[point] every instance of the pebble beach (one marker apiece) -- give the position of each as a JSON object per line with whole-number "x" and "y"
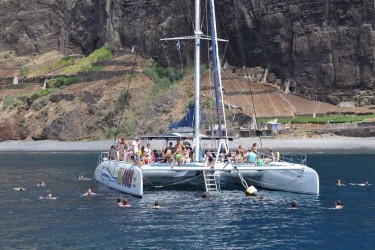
{"x": 325, "y": 144}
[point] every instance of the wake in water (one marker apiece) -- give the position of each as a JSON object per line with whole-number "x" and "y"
{"x": 49, "y": 197}
{"x": 361, "y": 184}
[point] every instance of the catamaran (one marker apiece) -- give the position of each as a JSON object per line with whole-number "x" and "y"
{"x": 130, "y": 177}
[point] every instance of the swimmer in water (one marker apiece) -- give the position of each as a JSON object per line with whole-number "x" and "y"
{"x": 338, "y": 182}
{"x": 205, "y": 195}
{"x": 20, "y": 189}
{"x": 80, "y": 178}
{"x": 338, "y": 205}
{"x": 41, "y": 184}
{"x": 293, "y": 205}
{"x": 156, "y": 205}
{"x": 50, "y": 197}
{"x": 363, "y": 184}
{"x": 123, "y": 203}
{"x": 89, "y": 193}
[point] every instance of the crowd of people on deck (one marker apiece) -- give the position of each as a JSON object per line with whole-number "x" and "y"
{"x": 133, "y": 151}
{"x": 241, "y": 155}
{"x": 182, "y": 152}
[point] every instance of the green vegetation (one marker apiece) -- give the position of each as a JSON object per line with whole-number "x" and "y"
{"x": 321, "y": 120}
{"x": 94, "y": 68}
{"x": 86, "y": 63}
{"x": 123, "y": 100}
{"x": 61, "y": 81}
{"x": 8, "y": 100}
{"x": 126, "y": 128}
{"x": 24, "y": 72}
{"x": 163, "y": 78}
{"x": 21, "y": 121}
{"x": 66, "y": 60}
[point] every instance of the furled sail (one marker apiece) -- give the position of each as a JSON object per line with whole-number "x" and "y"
{"x": 186, "y": 121}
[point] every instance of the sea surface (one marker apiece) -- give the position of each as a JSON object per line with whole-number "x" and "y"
{"x": 186, "y": 221}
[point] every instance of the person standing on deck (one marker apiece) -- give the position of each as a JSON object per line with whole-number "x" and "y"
{"x": 136, "y": 145}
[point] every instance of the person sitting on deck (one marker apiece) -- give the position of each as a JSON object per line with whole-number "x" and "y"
{"x": 146, "y": 157}
{"x": 239, "y": 158}
{"x": 187, "y": 158}
{"x": 251, "y": 156}
{"x": 166, "y": 155}
{"x": 254, "y": 147}
{"x": 188, "y": 144}
{"x": 240, "y": 150}
{"x": 210, "y": 158}
{"x": 271, "y": 157}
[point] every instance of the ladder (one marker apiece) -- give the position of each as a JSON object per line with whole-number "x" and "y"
{"x": 211, "y": 181}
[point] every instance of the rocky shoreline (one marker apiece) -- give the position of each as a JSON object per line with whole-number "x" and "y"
{"x": 327, "y": 144}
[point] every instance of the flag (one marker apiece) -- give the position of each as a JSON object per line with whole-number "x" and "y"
{"x": 178, "y": 47}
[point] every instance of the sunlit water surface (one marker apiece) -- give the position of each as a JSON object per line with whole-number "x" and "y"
{"x": 186, "y": 221}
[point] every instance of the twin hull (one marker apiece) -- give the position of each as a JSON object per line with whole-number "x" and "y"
{"x": 128, "y": 178}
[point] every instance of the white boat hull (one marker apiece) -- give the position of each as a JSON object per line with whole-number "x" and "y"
{"x": 304, "y": 180}
{"x": 120, "y": 176}
{"x": 283, "y": 176}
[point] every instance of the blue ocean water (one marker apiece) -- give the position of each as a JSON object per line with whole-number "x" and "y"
{"x": 226, "y": 221}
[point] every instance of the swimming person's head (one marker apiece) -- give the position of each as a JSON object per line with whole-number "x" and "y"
{"x": 293, "y": 204}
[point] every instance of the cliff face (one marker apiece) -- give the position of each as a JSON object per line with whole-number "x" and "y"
{"x": 324, "y": 47}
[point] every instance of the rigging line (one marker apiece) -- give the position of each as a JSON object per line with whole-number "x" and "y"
{"x": 190, "y": 16}
{"x": 126, "y": 95}
{"x": 166, "y": 56}
{"x": 252, "y": 100}
{"x": 225, "y": 30}
{"x": 173, "y": 183}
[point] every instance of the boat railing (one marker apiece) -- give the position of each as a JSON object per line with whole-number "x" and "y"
{"x": 102, "y": 157}
{"x": 293, "y": 158}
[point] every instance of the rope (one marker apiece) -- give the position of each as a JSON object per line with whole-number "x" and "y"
{"x": 127, "y": 96}
{"x": 170, "y": 183}
{"x": 243, "y": 182}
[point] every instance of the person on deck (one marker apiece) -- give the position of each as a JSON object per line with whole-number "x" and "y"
{"x": 187, "y": 158}
{"x": 112, "y": 153}
{"x": 188, "y": 143}
{"x": 271, "y": 157}
{"x": 135, "y": 147}
{"x": 167, "y": 153}
{"x": 146, "y": 157}
{"x": 251, "y": 156}
{"x": 179, "y": 152}
{"x": 120, "y": 149}
{"x": 210, "y": 157}
{"x": 240, "y": 150}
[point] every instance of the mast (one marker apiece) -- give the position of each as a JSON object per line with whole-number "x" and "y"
{"x": 217, "y": 76}
{"x": 198, "y": 34}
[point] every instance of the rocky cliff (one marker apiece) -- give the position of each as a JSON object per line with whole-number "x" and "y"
{"x": 326, "y": 48}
